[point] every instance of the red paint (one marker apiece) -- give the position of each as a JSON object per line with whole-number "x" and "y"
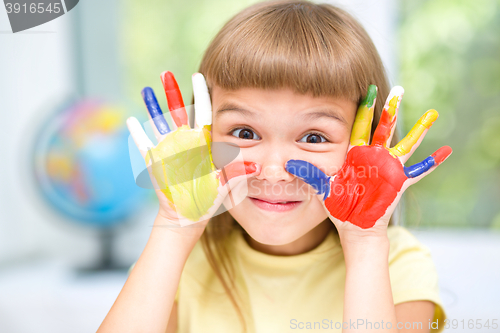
{"x": 383, "y": 129}
{"x": 234, "y": 170}
{"x": 366, "y": 186}
{"x": 174, "y": 99}
{"x": 441, "y": 154}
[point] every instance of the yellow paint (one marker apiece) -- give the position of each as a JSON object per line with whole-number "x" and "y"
{"x": 192, "y": 198}
{"x": 361, "y": 129}
{"x": 393, "y": 104}
{"x": 362, "y": 126}
{"x": 424, "y": 123}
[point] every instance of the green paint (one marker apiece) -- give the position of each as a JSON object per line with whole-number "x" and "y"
{"x": 192, "y": 198}
{"x": 370, "y": 96}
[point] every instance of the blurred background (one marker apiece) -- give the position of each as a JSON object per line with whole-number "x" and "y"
{"x": 72, "y": 219}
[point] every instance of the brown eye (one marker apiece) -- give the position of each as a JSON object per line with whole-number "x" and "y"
{"x": 313, "y": 138}
{"x": 245, "y": 134}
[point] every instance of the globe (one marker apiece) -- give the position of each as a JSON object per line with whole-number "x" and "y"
{"x": 82, "y": 165}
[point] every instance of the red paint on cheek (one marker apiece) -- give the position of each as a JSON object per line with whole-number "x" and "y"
{"x": 237, "y": 169}
{"x": 366, "y": 186}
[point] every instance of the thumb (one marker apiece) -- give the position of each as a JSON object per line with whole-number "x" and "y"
{"x": 233, "y": 187}
{"x": 236, "y": 172}
{"x": 140, "y": 137}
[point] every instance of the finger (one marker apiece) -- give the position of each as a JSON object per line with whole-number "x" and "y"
{"x": 426, "y": 165}
{"x": 174, "y": 99}
{"x": 151, "y": 122}
{"x": 202, "y": 103}
{"x": 310, "y": 174}
{"x": 385, "y": 129}
{"x": 234, "y": 190}
{"x": 141, "y": 140}
{"x": 405, "y": 148}
{"x": 154, "y": 111}
{"x": 361, "y": 129}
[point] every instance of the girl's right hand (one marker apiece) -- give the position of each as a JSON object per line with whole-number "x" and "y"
{"x": 190, "y": 185}
{"x": 361, "y": 197}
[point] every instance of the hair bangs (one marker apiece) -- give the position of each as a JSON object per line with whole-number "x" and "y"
{"x": 300, "y": 46}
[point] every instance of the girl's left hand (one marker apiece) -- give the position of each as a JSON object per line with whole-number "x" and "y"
{"x": 362, "y": 196}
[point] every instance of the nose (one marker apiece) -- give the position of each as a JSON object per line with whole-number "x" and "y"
{"x": 273, "y": 166}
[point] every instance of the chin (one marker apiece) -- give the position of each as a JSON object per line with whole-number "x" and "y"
{"x": 272, "y": 232}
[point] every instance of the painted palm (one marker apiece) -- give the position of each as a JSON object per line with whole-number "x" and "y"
{"x": 192, "y": 176}
{"x": 373, "y": 177}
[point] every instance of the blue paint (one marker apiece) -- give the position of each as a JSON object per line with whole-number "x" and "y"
{"x": 417, "y": 169}
{"x": 310, "y": 174}
{"x": 154, "y": 110}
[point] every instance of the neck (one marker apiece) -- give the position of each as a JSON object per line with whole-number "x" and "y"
{"x": 304, "y": 244}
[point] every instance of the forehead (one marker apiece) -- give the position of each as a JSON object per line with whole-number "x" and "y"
{"x": 280, "y": 103}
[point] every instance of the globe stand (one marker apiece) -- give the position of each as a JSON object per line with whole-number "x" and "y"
{"x": 106, "y": 261}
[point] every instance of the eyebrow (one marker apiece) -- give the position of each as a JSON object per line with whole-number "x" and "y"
{"x": 325, "y": 113}
{"x": 317, "y": 114}
{"x": 231, "y": 107}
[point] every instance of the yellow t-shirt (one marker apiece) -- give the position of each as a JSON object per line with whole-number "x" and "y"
{"x": 285, "y": 293}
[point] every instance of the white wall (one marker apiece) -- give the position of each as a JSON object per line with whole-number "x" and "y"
{"x": 35, "y": 76}
{"x": 379, "y": 18}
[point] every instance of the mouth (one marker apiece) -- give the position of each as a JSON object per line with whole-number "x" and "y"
{"x": 275, "y": 205}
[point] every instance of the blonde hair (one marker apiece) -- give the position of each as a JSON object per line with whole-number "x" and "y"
{"x": 311, "y": 48}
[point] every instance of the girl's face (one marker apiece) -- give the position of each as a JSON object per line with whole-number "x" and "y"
{"x": 272, "y": 127}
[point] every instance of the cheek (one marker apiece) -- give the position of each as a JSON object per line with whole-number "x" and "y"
{"x": 317, "y": 212}
{"x": 331, "y": 162}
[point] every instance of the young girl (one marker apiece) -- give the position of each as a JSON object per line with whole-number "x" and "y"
{"x": 309, "y": 245}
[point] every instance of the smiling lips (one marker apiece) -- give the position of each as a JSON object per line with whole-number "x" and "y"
{"x": 275, "y": 205}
